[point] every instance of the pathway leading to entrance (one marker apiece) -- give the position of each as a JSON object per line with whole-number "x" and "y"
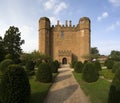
{"x": 65, "y": 89}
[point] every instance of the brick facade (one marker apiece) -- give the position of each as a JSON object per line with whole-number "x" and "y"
{"x": 65, "y": 43}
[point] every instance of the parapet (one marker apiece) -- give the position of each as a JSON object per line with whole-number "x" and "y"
{"x": 84, "y": 18}
{"x": 44, "y": 18}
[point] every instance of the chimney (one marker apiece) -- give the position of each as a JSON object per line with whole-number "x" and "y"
{"x": 66, "y": 23}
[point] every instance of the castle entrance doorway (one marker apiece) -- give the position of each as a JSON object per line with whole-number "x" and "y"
{"x": 64, "y": 61}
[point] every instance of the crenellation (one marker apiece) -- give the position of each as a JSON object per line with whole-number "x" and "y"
{"x": 66, "y": 42}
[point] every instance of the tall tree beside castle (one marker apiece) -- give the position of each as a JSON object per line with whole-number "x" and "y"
{"x": 12, "y": 43}
{"x": 2, "y": 49}
{"x": 65, "y": 43}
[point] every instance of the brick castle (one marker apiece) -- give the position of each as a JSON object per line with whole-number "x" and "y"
{"x": 65, "y": 43}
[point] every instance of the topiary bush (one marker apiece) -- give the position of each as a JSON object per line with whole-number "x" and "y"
{"x": 57, "y": 63}
{"x": 15, "y": 87}
{"x": 78, "y": 67}
{"x": 54, "y": 67}
{"x": 115, "y": 67}
{"x": 90, "y": 74}
{"x": 38, "y": 62}
{"x": 97, "y": 65}
{"x": 30, "y": 65}
{"x": 109, "y": 64}
{"x": 73, "y": 64}
{"x": 114, "y": 93}
{"x": 4, "y": 64}
{"x": 44, "y": 73}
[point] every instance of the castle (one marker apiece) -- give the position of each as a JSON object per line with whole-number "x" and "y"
{"x": 65, "y": 43}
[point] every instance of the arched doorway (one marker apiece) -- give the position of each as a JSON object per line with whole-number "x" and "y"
{"x": 64, "y": 61}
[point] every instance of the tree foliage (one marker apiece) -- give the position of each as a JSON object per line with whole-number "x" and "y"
{"x": 44, "y": 73}
{"x": 78, "y": 67}
{"x": 115, "y": 55}
{"x": 4, "y": 65}
{"x": 2, "y": 49}
{"x": 15, "y": 87}
{"x": 90, "y": 74}
{"x": 114, "y": 93}
{"x": 13, "y": 42}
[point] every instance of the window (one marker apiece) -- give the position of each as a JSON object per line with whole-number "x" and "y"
{"x": 62, "y": 34}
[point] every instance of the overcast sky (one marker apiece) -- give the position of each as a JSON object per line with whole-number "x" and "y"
{"x": 24, "y": 14}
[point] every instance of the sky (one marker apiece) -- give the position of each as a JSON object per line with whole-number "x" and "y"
{"x": 25, "y": 14}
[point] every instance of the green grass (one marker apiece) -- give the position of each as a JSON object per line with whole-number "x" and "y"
{"x": 107, "y": 73}
{"x": 39, "y": 90}
{"x": 97, "y": 91}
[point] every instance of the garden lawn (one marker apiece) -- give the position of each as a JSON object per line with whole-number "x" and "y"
{"x": 107, "y": 74}
{"x": 39, "y": 90}
{"x": 96, "y": 91}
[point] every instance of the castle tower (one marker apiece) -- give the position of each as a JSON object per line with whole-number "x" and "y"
{"x": 84, "y": 31}
{"x": 44, "y": 35}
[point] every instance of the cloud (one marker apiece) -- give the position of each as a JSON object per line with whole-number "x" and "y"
{"x": 60, "y": 7}
{"x": 55, "y": 5}
{"x": 113, "y": 26}
{"x": 115, "y": 2}
{"x": 49, "y": 4}
{"x": 103, "y": 16}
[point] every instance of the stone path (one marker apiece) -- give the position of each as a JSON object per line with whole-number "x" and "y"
{"x": 65, "y": 89}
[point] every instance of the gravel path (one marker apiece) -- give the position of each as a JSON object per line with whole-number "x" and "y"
{"x": 65, "y": 89}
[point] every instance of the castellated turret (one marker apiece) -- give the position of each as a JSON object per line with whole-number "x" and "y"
{"x": 65, "y": 43}
{"x": 44, "y": 35}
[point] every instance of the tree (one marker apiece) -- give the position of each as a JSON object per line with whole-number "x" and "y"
{"x": 2, "y": 49}
{"x": 15, "y": 86}
{"x": 89, "y": 73}
{"x": 114, "y": 92}
{"x": 94, "y": 53}
{"x": 115, "y": 55}
{"x": 13, "y": 42}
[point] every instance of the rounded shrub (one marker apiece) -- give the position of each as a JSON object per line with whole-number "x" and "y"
{"x": 109, "y": 64}
{"x": 15, "y": 87}
{"x": 57, "y": 63}
{"x": 97, "y": 65}
{"x": 4, "y": 64}
{"x": 115, "y": 67}
{"x": 114, "y": 92}
{"x": 54, "y": 67}
{"x": 73, "y": 64}
{"x": 78, "y": 67}
{"x": 38, "y": 62}
{"x": 44, "y": 73}
{"x": 30, "y": 65}
{"x": 90, "y": 74}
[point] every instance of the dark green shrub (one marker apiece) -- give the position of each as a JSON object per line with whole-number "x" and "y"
{"x": 114, "y": 93}
{"x": 57, "y": 63}
{"x": 73, "y": 64}
{"x": 54, "y": 67}
{"x": 109, "y": 64}
{"x": 78, "y": 67}
{"x": 4, "y": 64}
{"x": 90, "y": 74}
{"x": 30, "y": 65}
{"x": 85, "y": 62}
{"x": 115, "y": 67}
{"x": 44, "y": 73}
{"x": 15, "y": 87}
{"x": 97, "y": 65}
{"x": 38, "y": 62}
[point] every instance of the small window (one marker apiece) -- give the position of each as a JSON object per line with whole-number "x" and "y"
{"x": 62, "y": 34}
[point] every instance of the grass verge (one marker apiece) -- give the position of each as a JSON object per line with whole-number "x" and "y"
{"x": 39, "y": 90}
{"x": 96, "y": 91}
{"x": 107, "y": 74}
